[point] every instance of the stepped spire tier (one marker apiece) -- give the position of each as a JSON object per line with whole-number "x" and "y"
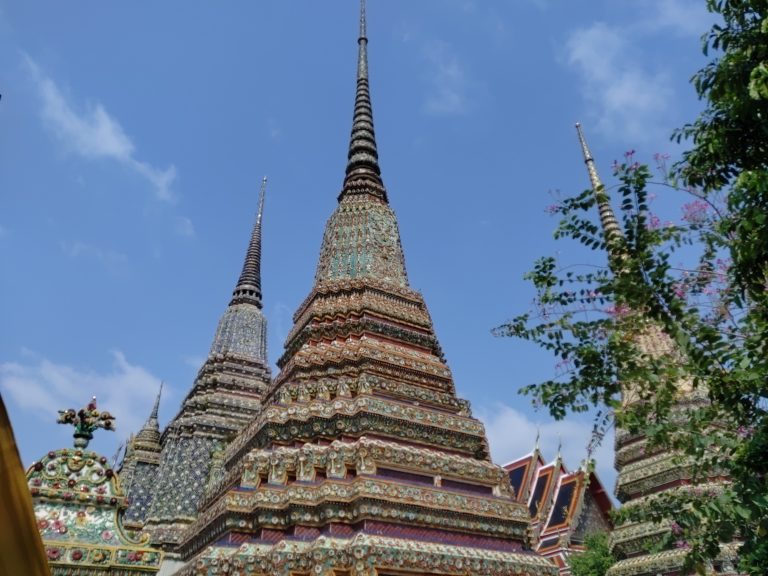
{"x": 248, "y": 289}
{"x": 363, "y": 174}
{"x": 363, "y": 460}
{"x": 225, "y": 396}
{"x": 644, "y": 472}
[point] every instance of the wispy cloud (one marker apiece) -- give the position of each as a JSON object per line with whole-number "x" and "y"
{"x": 41, "y": 387}
{"x": 274, "y": 129}
{"x": 183, "y": 227}
{"x": 684, "y": 17}
{"x": 512, "y": 434}
{"x": 114, "y": 261}
{"x": 626, "y": 99}
{"x": 94, "y": 133}
{"x": 447, "y": 92}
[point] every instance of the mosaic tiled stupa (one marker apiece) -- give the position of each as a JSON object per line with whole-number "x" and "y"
{"x": 363, "y": 460}
{"x": 79, "y": 508}
{"x": 644, "y": 472}
{"x": 165, "y": 489}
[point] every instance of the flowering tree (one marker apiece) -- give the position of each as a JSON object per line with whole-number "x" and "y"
{"x": 702, "y": 391}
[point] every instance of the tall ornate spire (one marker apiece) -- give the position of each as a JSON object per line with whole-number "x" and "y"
{"x": 248, "y": 289}
{"x": 611, "y": 229}
{"x": 225, "y": 396}
{"x": 363, "y": 157}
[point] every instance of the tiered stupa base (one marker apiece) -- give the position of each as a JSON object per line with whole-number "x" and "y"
{"x": 363, "y": 555}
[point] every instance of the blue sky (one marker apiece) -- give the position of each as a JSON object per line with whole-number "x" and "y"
{"x": 133, "y": 138}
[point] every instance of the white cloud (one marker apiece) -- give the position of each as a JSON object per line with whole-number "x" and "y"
{"x": 447, "y": 80}
{"x": 94, "y": 134}
{"x": 184, "y": 227}
{"x": 512, "y": 434}
{"x": 41, "y": 387}
{"x": 625, "y": 98}
{"x": 114, "y": 261}
{"x": 685, "y": 17}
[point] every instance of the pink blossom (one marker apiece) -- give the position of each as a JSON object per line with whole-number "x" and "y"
{"x": 695, "y": 212}
{"x": 654, "y": 223}
{"x": 617, "y": 311}
{"x": 676, "y": 528}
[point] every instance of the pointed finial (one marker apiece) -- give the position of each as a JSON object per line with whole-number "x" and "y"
{"x": 248, "y": 289}
{"x": 262, "y": 190}
{"x": 116, "y": 456}
{"x": 559, "y": 446}
{"x": 156, "y": 407}
{"x": 363, "y": 157}
{"x": 611, "y": 229}
{"x": 538, "y": 437}
{"x": 363, "y": 31}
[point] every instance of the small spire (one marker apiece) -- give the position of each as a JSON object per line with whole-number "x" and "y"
{"x": 118, "y": 452}
{"x": 248, "y": 289}
{"x": 559, "y": 447}
{"x": 538, "y": 437}
{"x": 611, "y": 229}
{"x": 150, "y": 432}
{"x": 363, "y": 157}
{"x": 156, "y": 407}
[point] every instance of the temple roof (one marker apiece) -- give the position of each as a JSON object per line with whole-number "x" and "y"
{"x": 557, "y": 499}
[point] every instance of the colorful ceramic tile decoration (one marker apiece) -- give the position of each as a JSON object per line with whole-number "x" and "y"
{"x": 79, "y": 508}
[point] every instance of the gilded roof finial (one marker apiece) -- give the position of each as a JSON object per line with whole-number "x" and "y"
{"x": 611, "y": 229}
{"x": 86, "y": 421}
{"x": 248, "y": 289}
